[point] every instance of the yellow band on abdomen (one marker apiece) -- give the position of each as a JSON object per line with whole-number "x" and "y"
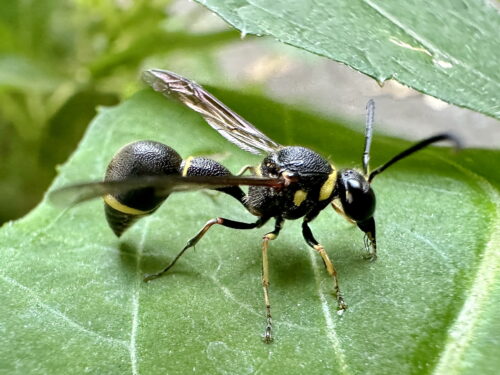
{"x": 113, "y": 203}
{"x": 187, "y": 164}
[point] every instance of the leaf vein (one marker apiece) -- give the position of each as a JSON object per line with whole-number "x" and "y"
{"x": 330, "y": 325}
{"x": 461, "y": 332}
{"x": 36, "y": 300}
{"x": 134, "y": 360}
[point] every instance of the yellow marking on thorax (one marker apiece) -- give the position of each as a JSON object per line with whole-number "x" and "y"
{"x": 299, "y": 197}
{"x": 187, "y": 164}
{"x": 113, "y": 203}
{"x": 327, "y": 187}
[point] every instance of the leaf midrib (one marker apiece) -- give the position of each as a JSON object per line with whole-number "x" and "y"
{"x": 462, "y": 330}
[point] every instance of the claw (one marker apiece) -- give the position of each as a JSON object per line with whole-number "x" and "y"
{"x": 267, "y": 338}
{"x": 371, "y": 257}
{"x": 342, "y": 306}
{"x": 150, "y": 276}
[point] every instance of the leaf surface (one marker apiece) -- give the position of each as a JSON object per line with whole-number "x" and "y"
{"x": 74, "y": 300}
{"x": 448, "y": 49}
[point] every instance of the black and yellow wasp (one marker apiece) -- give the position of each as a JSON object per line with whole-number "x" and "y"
{"x": 292, "y": 182}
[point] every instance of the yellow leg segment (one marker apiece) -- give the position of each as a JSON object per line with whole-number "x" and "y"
{"x": 252, "y": 168}
{"x": 338, "y": 209}
{"x": 265, "y": 285}
{"x": 268, "y": 337}
{"x": 193, "y": 241}
{"x": 333, "y": 273}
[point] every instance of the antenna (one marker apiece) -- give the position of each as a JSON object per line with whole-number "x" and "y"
{"x": 416, "y": 147}
{"x": 370, "y": 115}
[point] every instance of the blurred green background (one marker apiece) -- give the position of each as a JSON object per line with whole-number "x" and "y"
{"x": 60, "y": 60}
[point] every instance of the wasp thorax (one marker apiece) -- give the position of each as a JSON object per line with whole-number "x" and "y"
{"x": 297, "y": 162}
{"x": 309, "y": 182}
{"x": 302, "y": 161}
{"x": 356, "y": 195}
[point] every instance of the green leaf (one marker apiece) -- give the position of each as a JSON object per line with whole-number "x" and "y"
{"x": 154, "y": 42}
{"x": 73, "y": 299}
{"x": 448, "y": 49}
{"x": 23, "y": 74}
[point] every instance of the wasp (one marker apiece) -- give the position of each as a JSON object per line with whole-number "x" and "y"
{"x": 291, "y": 182}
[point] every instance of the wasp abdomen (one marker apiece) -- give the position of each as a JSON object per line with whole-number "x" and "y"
{"x": 200, "y": 166}
{"x": 119, "y": 221}
{"x": 141, "y": 158}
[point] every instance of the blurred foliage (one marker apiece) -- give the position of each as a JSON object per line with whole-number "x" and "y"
{"x": 59, "y": 60}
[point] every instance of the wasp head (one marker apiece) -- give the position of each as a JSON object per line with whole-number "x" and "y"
{"x": 356, "y": 195}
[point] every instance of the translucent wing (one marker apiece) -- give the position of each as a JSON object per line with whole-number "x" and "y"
{"x": 162, "y": 185}
{"x": 228, "y": 123}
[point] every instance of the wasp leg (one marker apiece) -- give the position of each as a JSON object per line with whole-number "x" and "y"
{"x": 193, "y": 241}
{"x": 268, "y": 338}
{"x": 368, "y": 226}
{"x": 311, "y": 241}
{"x": 338, "y": 209}
{"x": 252, "y": 168}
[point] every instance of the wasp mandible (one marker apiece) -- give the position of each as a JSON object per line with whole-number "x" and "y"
{"x": 291, "y": 182}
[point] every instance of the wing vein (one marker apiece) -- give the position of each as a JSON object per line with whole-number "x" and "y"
{"x": 226, "y": 122}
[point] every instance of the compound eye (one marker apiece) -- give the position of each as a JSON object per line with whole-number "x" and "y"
{"x": 357, "y": 197}
{"x": 359, "y": 205}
